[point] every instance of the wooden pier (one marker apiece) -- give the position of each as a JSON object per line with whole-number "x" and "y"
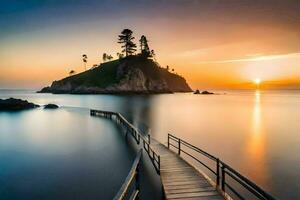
{"x": 181, "y": 180}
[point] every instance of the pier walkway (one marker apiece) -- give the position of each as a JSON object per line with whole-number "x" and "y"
{"x": 180, "y": 179}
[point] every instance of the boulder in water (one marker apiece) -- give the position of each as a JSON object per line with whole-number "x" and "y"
{"x": 206, "y": 92}
{"x": 197, "y": 92}
{"x": 203, "y": 92}
{"x": 51, "y": 106}
{"x": 13, "y": 104}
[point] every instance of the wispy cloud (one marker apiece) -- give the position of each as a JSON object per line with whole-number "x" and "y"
{"x": 252, "y": 59}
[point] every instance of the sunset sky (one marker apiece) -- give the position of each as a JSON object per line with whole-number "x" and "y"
{"x": 212, "y": 43}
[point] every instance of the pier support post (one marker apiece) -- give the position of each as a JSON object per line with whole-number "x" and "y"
{"x": 179, "y": 146}
{"x": 223, "y": 178}
{"x": 149, "y": 138}
{"x": 158, "y": 164}
{"x": 218, "y": 172}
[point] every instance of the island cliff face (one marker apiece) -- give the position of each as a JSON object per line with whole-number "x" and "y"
{"x": 133, "y": 74}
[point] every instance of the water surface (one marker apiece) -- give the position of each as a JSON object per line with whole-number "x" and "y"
{"x": 256, "y": 132}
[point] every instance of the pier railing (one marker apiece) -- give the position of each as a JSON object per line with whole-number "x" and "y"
{"x": 132, "y": 178}
{"x": 221, "y": 171}
{"x": 134, "y": 132}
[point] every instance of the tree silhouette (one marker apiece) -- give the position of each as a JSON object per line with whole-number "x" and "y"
{"x": 145, "y": 51}
{"x": 109, "y": 57}
{"x": 104, "y": 57}
{"x": 152, "y": 54}
{"x": 84, "y": 59}
{"x": 126, "y": 38}
{"x": 72, "y": 72}
{"x": 168, "y": 67}
{"x": 120, "y": 55}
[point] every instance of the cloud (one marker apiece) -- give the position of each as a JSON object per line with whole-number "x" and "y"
{"x": 252, "y": 59}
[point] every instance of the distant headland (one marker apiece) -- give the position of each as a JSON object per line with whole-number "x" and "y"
{"x": 129, "y": 73}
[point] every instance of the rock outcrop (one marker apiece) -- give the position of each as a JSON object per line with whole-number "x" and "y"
{"x": 51, "y": 106}
{"x": 12, "y": 104}
{"x": 134, "y": 74}
{"x": 203, "y": 92}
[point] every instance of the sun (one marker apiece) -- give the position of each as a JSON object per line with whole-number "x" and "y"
{"x": 257, "y": 81}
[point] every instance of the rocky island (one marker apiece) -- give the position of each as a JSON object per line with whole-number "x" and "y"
{"x": 138, "y": 73}
{"x": 133, "y": 74}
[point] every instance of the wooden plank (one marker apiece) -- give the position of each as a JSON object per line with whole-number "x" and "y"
{"x": 198, "y": 189}
{"x": 193, "y": 194}
{"x": 215, "y": 197}
{"x": 185, "y": 182}
{"x": 182, "y": 181}
{"x": 185, "y": 186}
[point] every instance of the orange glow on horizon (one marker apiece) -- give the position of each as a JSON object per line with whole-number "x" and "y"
{"x": 207, "y": 63}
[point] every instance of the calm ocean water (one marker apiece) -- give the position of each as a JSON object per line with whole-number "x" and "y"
{"x": 66, "y": 154}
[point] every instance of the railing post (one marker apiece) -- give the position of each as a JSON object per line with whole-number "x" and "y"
{"x": 153, "y": 155}
{"x": 179, "y": 146}
{"x": 218, "y": 172}
{"x": 139, "y": 139}
{"x": 223, "y": 178}
{"x": 159, "y": 164}
{"x": 126, "y": 133}
{"x": 168, "y": 141}
{"x": 149, "y": 139}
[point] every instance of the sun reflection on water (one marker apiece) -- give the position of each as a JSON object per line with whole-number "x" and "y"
{"x": 256, "y": 150}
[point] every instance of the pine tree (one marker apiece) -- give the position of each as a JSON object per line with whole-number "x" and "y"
{"x": 84, "y": 59}
{"x": 145, "y": 50}
{"x": 126, "y": 38}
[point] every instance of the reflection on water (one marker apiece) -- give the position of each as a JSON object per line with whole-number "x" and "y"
{"x": 255, "y": 132}
{"x": 60, "y": 154}
{"x": 256, "y": 148}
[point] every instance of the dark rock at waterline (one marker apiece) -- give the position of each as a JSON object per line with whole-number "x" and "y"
{"x": 207, "y": 92}
{"x": 45, "y": 90}
{"x": 203, "y": 92}
{"x": 13, "y": 104}
{"x": 197, "y": 92}
{"x": 51, "y": 106}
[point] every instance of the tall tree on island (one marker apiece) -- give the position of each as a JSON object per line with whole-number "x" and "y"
{"x": 84, "y": 59}
{"x": 145, "y": 50}
{"x": 126, "y": 38}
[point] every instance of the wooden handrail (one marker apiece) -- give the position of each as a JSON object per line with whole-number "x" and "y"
{"x": 132, "y": 175}
{"x": 225, "y": 169}
{"x": 135, "y": 133}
